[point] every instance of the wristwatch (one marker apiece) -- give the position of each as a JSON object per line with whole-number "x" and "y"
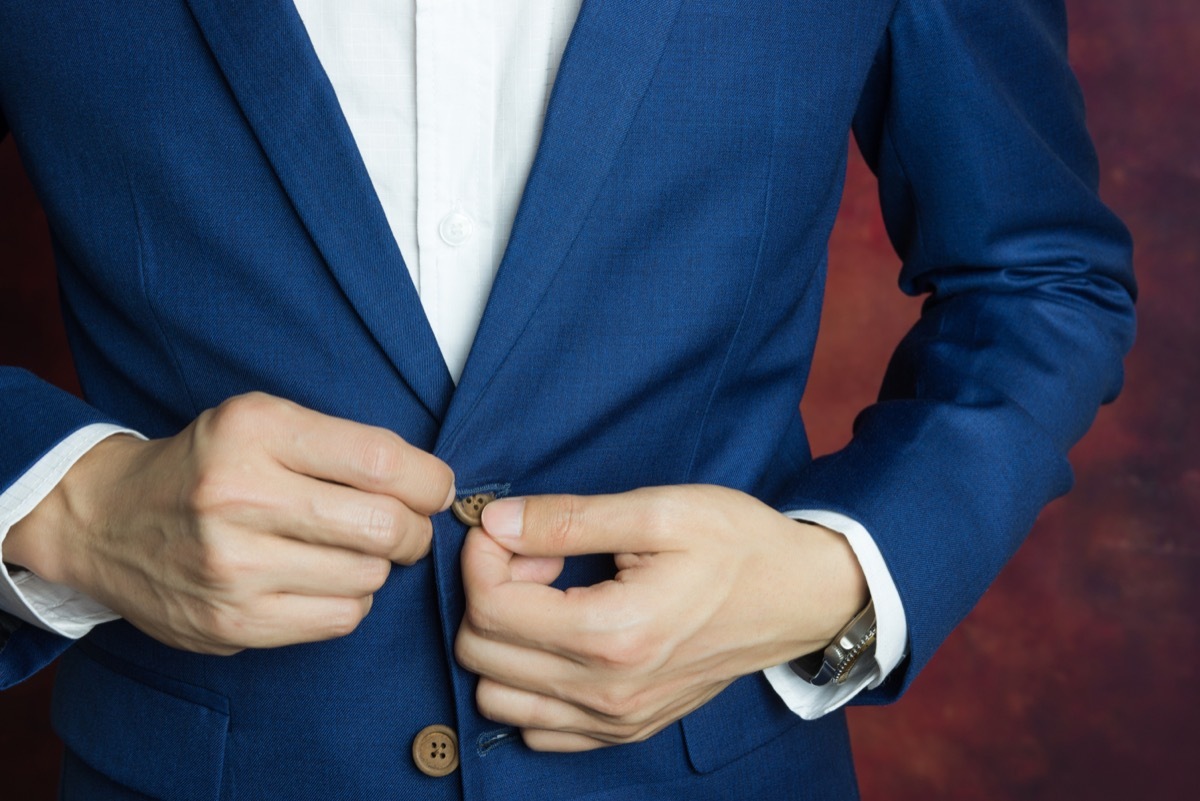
{"x": 850, "y": 651}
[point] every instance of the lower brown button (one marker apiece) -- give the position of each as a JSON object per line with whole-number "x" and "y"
{"x": 435, "y": 750}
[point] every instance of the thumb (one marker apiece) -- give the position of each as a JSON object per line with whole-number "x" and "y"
{"x": 573, "y": 525}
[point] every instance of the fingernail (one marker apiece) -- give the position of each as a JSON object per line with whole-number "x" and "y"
{"x": 503, "y": 519}
{"x": 449, "y": 498}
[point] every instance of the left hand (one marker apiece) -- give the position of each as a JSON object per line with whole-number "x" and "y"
{"x": 711, "y": 585}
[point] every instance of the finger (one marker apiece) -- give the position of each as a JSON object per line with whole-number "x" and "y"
{"x": 579, "y": 623}
{"x": 538, "y": 713}
{"x": 366, "y": 457}
{"x": 281, "y": 619}
{"x": 320, "y": 513}
{"x": 618, "y": 701}
{"x": 560, "y": 742}
{"x": 281, "y": 565}
{"x": 526, "y": 710}
{"x": 301, "y": 618}
{"x": 509, "y": 566}
{"x": 538, "y": 569}
{"x": 485, "y": 563}
{"x": 648, "y": 520}
{"x": 578, "y": 729}
{"x": 527, "y": 666}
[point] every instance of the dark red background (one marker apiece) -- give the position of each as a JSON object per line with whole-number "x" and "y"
{"x": 1074, "y": 677}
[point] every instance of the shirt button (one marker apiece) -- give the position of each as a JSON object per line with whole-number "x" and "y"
{"x": 435, "y": 750}
{"x": 469, "y": 510}
{"x": 456, "y": 228}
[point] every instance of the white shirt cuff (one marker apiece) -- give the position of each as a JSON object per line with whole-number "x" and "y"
{"x": 23, "y": 595}
{"x": 891, "y": 637}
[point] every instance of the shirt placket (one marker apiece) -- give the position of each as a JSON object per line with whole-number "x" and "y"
{"x": 455, "y": 164}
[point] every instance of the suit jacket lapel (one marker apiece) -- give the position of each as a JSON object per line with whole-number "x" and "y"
{"x": 606, "y": 68}
{"x": 265, "y": 54}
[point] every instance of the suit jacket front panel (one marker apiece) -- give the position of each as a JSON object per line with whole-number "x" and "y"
{"x": 191, "y": 275}
{"x": 651, "y": 323}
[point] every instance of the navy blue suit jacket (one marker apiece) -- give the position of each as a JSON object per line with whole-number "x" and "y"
{"x": 651, "y": 323}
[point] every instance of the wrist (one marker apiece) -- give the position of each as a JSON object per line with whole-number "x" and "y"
{"x": 817, "y": 586}
{"x": 842, "y": 593}
{"x": 844, "y": 626}
{"x": 51, "y": 540}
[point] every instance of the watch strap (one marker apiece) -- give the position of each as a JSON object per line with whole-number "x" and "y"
{"x": 850, "y": 650}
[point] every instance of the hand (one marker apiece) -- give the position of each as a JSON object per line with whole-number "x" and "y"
{"x": 711, "y": 585}
{"x": 260, "y": 524}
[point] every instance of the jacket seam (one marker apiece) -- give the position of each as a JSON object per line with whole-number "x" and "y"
{"x": 758, "y": 259}
{"x": 143, "y": 283}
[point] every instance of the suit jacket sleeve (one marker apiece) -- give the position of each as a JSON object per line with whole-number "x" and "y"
{"x": 37, "y": 416}
{"x": 974, "y": 125}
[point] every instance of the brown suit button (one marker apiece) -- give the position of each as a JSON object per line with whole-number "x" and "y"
{"x": 469, "y": 510}
{"x": 435, "y": 750}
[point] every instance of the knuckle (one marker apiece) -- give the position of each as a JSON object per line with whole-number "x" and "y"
{"x": 415, "y": 541}
{"x": 622, "y": 731}
{"x": 374, "y": 572}
{"x": 488, "y": 702}
{"x": 562, "y": 522}
{"x": 614, "y": 701}
{"x": 465, "y": 651}
{"x": 384, "y": 461}
{"x": 379, "y": 456}
{"x": 443, "y": 481}
{"x": 481, "y": 617}
{"x": 344, "y": 617}
{"x": 624, "y": 650}
{"x": 382, "y": 529}
{"x": 217, "y": 568}
{"x": 447, "y": 475}
{"x": 210, "y": 492}
{"x": 243, "y": 412}
{"x": 462, "y": 650}
{"x": 638, "y": 733}
{"x": 533, "y": 740}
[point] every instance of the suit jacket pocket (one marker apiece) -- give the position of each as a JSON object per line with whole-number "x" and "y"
{"x": 750, "y": 717}
{"x": 154, "y": 735}
{"x": 747, "y": 715}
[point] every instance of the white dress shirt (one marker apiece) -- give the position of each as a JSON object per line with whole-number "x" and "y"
{"x": 445, "y": 101}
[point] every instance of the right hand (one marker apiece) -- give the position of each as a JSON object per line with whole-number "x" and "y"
{"x": 261, "y": 524}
